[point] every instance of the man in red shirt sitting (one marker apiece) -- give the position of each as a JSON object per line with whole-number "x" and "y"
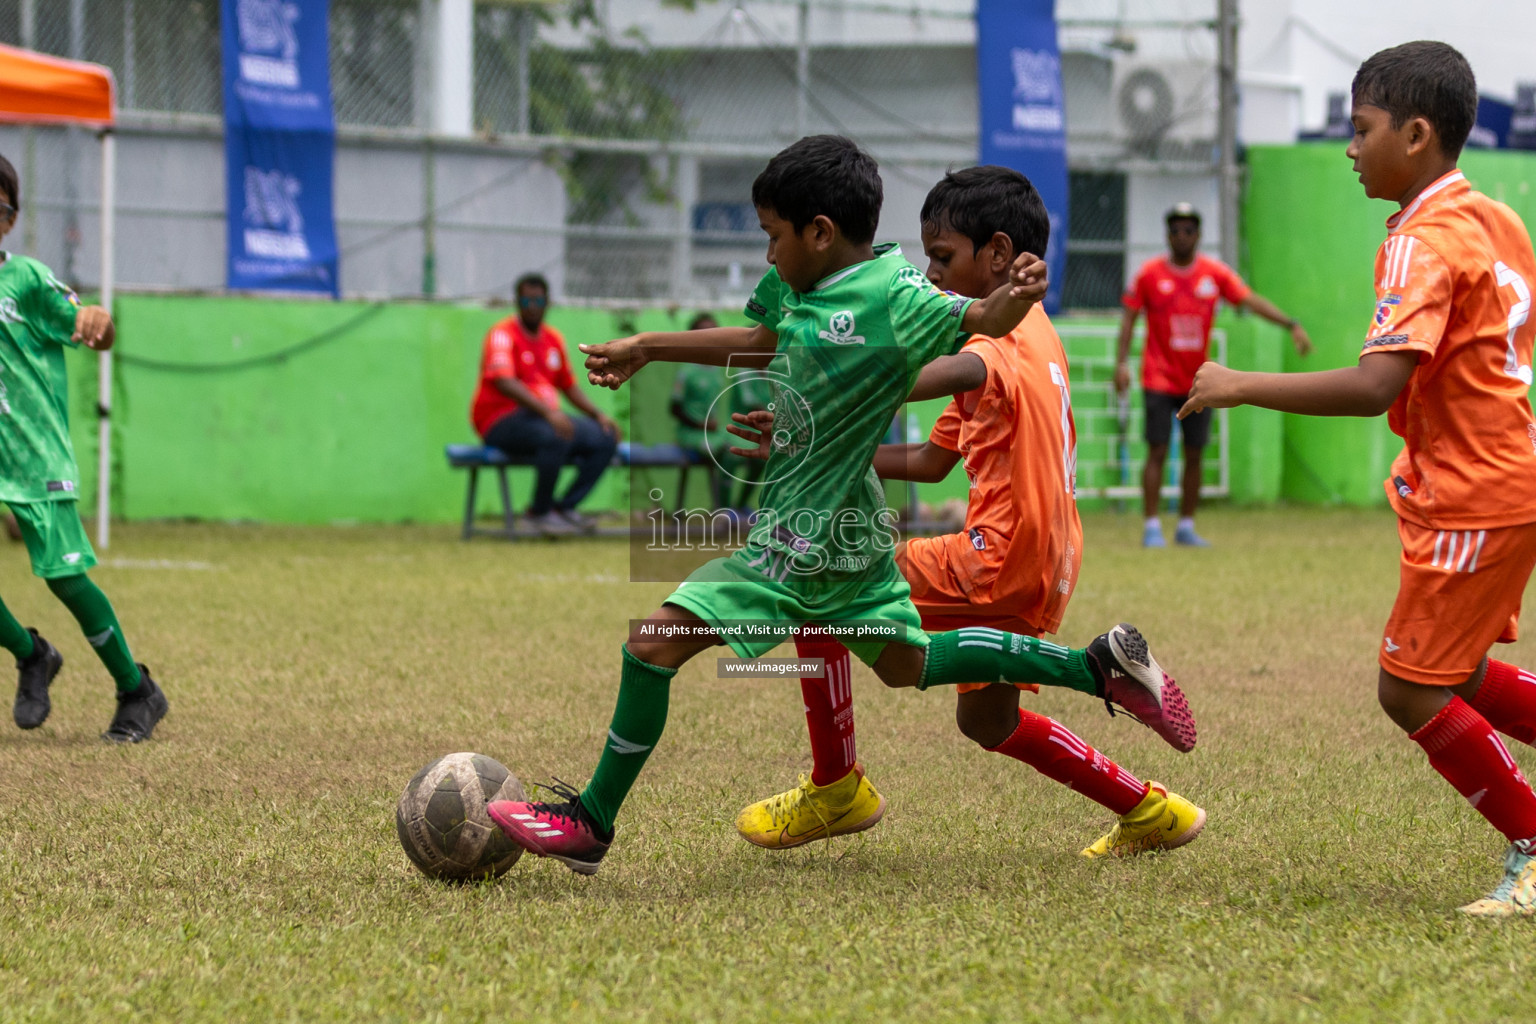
{"x": 523, "y": 373}
{"x": 1179, "y": 293}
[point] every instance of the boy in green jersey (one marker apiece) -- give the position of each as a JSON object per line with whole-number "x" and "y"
{"x": 843, "y": 329}
{"x": 39, "y": 481}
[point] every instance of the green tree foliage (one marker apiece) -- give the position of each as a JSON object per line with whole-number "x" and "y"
{"x": 611, "y": 87}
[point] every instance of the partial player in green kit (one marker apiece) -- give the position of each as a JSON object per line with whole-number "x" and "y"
{"x": 843, "y": 328}
{"x": 703, "y": 399}
{"x": 39, "y": 316}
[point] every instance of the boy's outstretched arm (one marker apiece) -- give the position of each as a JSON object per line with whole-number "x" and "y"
{"x": 94, "y": 328}
{"x": 1000, "y": 312}
{"x": 1366, "y": 389}
{"x": 612, "y": 363}
{"x": 949, "y": 375}
{"x": 925, "y": 463}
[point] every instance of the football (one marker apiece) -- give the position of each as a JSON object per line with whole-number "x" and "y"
{"x": 442, "y": 822}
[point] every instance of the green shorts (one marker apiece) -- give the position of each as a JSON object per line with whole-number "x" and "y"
{"x": 55, "y": 537}
{"x": 754, "y": 615}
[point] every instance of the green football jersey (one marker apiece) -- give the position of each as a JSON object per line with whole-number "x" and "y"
{"x": 848, "y": 353}
{"x": 37, "y": 318}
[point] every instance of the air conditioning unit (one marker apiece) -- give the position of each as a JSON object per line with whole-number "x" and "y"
{"x": 1163, "y": 107}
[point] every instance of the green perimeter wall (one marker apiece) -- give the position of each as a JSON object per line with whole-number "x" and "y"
{"x": 352, "y": 429}
{"x": 1310, "y": 238}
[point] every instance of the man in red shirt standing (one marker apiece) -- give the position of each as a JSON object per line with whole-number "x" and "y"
{"x": 523, "y": 373}
{"x": 1179, "y": 293}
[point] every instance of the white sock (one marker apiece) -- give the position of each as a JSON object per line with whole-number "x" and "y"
{"x": 1187, "y": 523}
{"x": 1154, "y": 523}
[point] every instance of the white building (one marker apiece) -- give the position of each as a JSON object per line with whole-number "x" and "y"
{"x": 451, "y": 180}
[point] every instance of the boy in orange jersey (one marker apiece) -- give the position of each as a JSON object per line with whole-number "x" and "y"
{"x": 1012, "y": 569}
{"x": 1448, "y": 357}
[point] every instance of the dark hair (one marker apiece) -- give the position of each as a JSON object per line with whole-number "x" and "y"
{"x": 1423, "y": 79}
{"x": 699, "y": 318}
{"x": 10, "y": 183}
{"x": 530, "y": 281}
{"x": 823, "y": 175}
{"x": 978, "y": 202}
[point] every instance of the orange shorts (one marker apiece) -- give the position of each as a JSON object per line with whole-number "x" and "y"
{"x": 939, "y": 589}
{"x": 1458, "y": 594}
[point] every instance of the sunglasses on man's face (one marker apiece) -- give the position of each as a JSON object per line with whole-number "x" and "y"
{"x": 532, "y": 301}
{"x": 7, "y": 211}
{"x": 1183, "y": 229}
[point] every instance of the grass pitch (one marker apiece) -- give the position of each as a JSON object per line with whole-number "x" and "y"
{"x": 244, "y": 866}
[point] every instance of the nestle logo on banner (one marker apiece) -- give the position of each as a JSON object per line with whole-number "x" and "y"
{"x": 269, "y": 46}
{"x": 276, "y": 227}
{"x": 1036, "y": 90}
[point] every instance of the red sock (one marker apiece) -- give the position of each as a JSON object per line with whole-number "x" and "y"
{"x": 1052, "y": 750}
{"x": 1462, "y": 746}
{"x": 1507, "y": 699}
{"x": 828, "y": 708}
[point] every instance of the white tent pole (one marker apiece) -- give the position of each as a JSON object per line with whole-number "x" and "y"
{"x": 104, "y": 359}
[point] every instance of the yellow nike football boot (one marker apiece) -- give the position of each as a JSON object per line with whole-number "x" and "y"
{"x": 1516, "y": 895}
{"x": 810, "y": 812}
{"x": 1162, "y": 821}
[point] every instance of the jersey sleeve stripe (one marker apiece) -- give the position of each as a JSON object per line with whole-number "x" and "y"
{"x": 1399, "y": 278}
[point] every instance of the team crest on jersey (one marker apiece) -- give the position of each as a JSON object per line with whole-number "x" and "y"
{"x": 1206, "y": 289}
{"x": 1165, "y": 286}
{"x": 9, "y": 313}
{"x": 1385, "y": 309}
{"x": 552, "y": 360}
{"x": 840, "y": 329}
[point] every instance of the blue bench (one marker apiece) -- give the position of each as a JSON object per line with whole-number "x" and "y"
{"x": 475, "y": 457}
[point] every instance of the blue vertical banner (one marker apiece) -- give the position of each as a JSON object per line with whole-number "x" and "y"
{"x": 279, "y": 146}
{"x": 1023, "y": 120}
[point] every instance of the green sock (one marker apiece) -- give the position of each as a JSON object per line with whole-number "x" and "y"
{"x": 13, "y": 635}
{"x": 98, "y": 622}
{"x": 981, "y": 655}
{"x": 638, "y": 719}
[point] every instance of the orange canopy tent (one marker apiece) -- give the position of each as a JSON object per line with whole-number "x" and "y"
{"x": 38, "y": 89}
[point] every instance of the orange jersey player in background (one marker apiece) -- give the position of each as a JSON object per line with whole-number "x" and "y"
{"x": 1448, "y": 357}
{"x": 1013, "y": 567}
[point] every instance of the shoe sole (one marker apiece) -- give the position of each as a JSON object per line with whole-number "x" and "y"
{"x": 1494, "y": 909}
{"x": 58, "y": 664}
{"x": 514, "y": 831}
{"x": 818, "y": 834}
{"x": 1154, "y": 698}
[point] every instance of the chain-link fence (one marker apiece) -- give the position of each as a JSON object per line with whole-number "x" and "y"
{"x": 655, "y": 115}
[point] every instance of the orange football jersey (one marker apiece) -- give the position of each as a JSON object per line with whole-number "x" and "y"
{"x": 1023, "y": 539}
{"x": 1453, "y": 284}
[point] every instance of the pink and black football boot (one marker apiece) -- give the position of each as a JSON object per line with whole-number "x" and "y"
{"x": 562, "y": 830}
{"x": 1130, "y": 677}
